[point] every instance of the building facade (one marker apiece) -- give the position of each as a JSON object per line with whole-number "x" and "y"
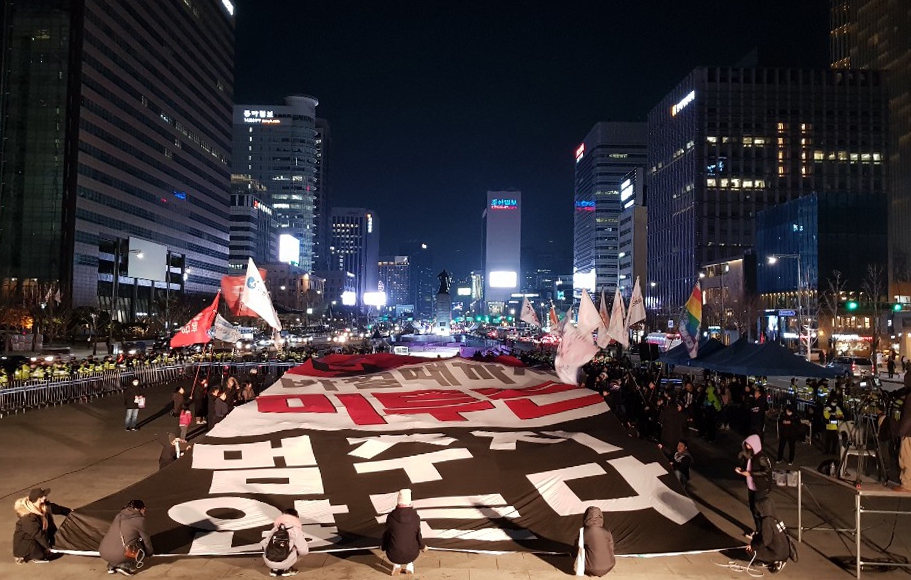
{"x": 727, "y": 143}
{"x": 876, "y": 34}
{"x": 253, "y": 225}
{"x": 501, "y": 245}
{"x": 323, "y": 195}
{"x": 632, "y": 240}
{"x": 115, "y": 124}
{"x": 424, "y": 282}
{"x": 605, "y": 156}
{"x": 276, "y": 145}
{"x": 395, "y": 274}
{"x": 355, "y": 247}
{"x": 292, "y": 289}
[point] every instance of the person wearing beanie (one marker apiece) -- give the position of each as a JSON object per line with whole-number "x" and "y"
{"x": 402, "y": 541}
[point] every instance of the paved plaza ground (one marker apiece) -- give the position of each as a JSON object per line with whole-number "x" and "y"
{"x": 82, "y": 453}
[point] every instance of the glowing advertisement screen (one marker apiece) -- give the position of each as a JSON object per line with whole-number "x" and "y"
{"x": 289, "y": 249}
{"x": 503, "y": 279}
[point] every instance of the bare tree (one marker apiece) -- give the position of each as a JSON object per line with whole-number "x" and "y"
{"x": 874, "y": 286}
{"x": 831, "y": 298}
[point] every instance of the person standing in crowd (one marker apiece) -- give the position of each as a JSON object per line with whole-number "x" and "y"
{"x": 184, "y": 420}
{"x": 200, "y": 398}
{"x": 127, "y": 529}
{"x": 833, "y": 415}
{"x": 131, "y": 400}
{"x": 598, "y": 543}
{"x": 31, "y": 542}
{"x": 292, "y": 549}
{"x": 682, "y": 462}
{"x": 211, "y": 397}
{"x": 890, "y": 365}
{"x": 246, "y": 392}
{"x": 673, "y": 425}
{"x": 757, "y": 409}
{"x": 770, "y": 545}
{"x": 789, "y": 429}
{"x": 758, "y": 474}
{"x": 904, "y": 432}
{"x": 222, "y": 408}
{"x": 178, "y": 399}
{"x": 402, "y": 541}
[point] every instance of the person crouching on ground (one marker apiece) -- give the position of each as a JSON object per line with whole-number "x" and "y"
{"x": 293, "y": 548}
{"x": 771, "y": 544}
{"x": 402, "y": 541}
{"x": 30, "y": 539}
{"x": 598, "y": 542}
{"x": 758, "y": 474}
{"x": 127, "y": 529}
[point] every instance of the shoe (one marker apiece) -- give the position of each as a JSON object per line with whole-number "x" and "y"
{"x": 19, "y": 560}
{"x": 776, "y": 567}
{"x": 289, "y": 572}
{"x": 409, "y": 568}
{"x": 41, "y": 561}
{"x": 790, "y": 463}
{"x": 112, "y": 571}
{"x": 124, "y": 571}
{"x": 274, "y": 573}
{"x": 396, "y": 568}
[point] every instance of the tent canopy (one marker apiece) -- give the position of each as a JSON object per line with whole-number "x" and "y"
{"x": 746, "y": 358}
{"x": 680, "y": 356}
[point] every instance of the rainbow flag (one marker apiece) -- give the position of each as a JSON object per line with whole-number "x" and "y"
{"x": 691, "y": 321}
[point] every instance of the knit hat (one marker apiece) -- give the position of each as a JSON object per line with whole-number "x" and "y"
{"x": 36, "y": 493}
{"x": 404, "y": 498}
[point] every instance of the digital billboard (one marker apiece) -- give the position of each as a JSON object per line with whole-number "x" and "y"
{"x": 503, "y": 279}
{"x": 289, "y": 249}
{"x": 147, "y": 260}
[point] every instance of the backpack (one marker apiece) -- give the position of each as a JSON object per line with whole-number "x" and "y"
{"x": 279, "y": 547}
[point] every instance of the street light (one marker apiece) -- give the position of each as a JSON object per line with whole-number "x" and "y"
{"x": 772, "y": 260}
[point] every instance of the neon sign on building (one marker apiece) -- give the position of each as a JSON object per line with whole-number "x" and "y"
{"x": 683, "y": 103}
{"x": 504, "y": 203}
{"x": 585, "y": 205}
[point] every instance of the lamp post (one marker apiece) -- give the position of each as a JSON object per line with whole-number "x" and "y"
{"x": 773, "y": 259}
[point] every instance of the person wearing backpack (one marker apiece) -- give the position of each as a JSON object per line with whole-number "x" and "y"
{"x": 284, "y": 544}
{"x": 771, "y": 545}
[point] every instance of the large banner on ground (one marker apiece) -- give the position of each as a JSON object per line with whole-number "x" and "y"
{"x": 499, "y": 457}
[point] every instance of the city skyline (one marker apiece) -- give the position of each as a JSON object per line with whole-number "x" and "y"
{"x": 450, "y": 103}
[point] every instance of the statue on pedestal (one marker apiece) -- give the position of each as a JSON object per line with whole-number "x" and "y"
{"x": 445, "y": 282}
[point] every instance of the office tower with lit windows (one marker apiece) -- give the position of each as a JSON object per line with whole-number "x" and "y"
{"x": 395, "y": 274}
{"x": 727, "y": 143}
{"x": 116, "y": 149}
{"x": 322, "y": 195}
{"x": 424, "y": 283}
{"x": 876, "y": 35}
{"x": 277, "y": 145}
{"x": 631, "y": 258}
{"x": 605, "y": 156}
{"x": 355, "y": 247}
{"x": 501, "y": 244}
{"x": 253, "y": 229}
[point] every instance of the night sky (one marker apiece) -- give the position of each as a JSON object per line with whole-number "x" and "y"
{"x": 433, "y": 103}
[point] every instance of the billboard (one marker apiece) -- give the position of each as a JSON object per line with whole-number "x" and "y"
{"x": 289, "y": 249}
{"x": 375, "y": 298}
{"x": 147, "y": 260}
{"x": 503, "y": 279}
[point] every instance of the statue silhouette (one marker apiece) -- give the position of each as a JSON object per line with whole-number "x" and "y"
{"x": 445, "y": 282}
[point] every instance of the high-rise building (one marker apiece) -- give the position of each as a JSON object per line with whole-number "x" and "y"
{"x": 501, "y": 244}
{"x": 253, "y": 226}
{"x": 116, "y": 126}
{"x": 605, "y": 156}
{"x": 322, "y": 197}
{"x": 876, "y": 34}
{"x": 395, "y": 274}
{"x": 631, "y": 258}
{"x": 276, "y": 144}
{"x": 424, "y": 284}
{"x": 727, "y": 143}
{"x": 355, "y": 247}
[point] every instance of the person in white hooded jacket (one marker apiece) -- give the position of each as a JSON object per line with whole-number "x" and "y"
{"x": 758, "y": 473}
{"x": 298, "y": 544}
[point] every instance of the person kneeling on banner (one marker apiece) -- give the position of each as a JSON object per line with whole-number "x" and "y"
{"x": 127, "y": 544}
{"x": 771, "y": 546}
{"x": 402, "y": 541}
{"x": 595, "y": 552}
{"x": 284, "y": 544}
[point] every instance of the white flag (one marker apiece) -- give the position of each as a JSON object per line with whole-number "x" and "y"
{"x": 589, "y": 319}
{"x": 528, "y": 313}
{"x": 603, "y": 338}
{"x": 575, "y": 350}
{"x": 256, "y": 298}
{"x": 617, "y": 328}
{"x": 224, "y": 330}
{"x": 636, "y": 312}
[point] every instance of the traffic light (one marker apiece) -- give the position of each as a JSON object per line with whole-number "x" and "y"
{"x": 897, "y": 307}
{"x": 851, "y": 305}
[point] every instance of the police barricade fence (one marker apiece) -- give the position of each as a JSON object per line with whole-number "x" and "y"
{"x": 33, "y": 394}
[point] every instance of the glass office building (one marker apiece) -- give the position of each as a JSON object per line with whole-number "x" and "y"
{"x": 727, "y": 143}
{"x": 116, "y": 124}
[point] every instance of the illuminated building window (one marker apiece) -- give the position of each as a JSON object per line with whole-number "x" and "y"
{"x": 711, "y": 139}
{"x": 724, "y": 182}
{"x": 711, "y": 182}
{"x": 759, "y": 141}
{"x": 877, "y": 157}
{"x": 747, "y": 183}
{"x": 760, "y": 183}
{"x": 818, "y": 155}
{"x": 865, "y": 157}
{"x": 842, "y": 156}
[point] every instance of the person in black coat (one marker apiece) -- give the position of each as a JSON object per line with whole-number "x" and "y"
{"x": 402, "y": 541}
{"x": 131, "y": 399}
{"x": 771, "y": 544}
{"x": 757, "y": 406}
{"x": 30, "y": 538}
{"x": 789, "y": 430}
{"x": 221, "y": 408}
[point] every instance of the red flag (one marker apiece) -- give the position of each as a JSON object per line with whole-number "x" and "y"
{"x": 552, "y": 316}
{"x": 231, "y": 288}
{"x": 197, "y": 330}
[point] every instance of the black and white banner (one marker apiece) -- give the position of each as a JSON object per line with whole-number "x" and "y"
{"x": 498, "y": 457}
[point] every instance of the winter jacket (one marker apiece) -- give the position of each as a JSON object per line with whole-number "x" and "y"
{"x": 402, "y": 539}
{"x": 130, "y": 524}
{"x": 599, "y": 543}
{"x": 222, "y": 408}
{"x": 30, "y": 539}
{"x": 771, "y": 544}
{"x": 178, "y": 399}
{"x": 298, "y": 542}
{"x": 758, "y": 408}
{"x": 682, "y": 463}
{"x": 129, "y": 396}
{"x": 904, "y": 423}
{"x": 789, "y": 426}
{"x": 673, "y": 423}
{"x": 759, "y": 466}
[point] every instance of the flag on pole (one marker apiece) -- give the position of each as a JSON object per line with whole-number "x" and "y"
{"x": 224, "y": 330}
{"x": 552, "y": 316}
{"x": 231, "y": 289}
{"x": 603, "y": 338}
{"x": 197, "y": 330}
{"x": 617, "y": 328}
{"x": 636, "y": 312}
{"x": 565, "y": 321}
{"x": 575, "y": 350}
{"x": 528, "y": 313}
{"x": 691, "y": 321}
{"x": 256, "y": 298}
{"x": 589, "y": 319}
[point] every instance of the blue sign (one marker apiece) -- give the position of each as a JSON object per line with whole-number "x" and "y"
{"x": 786, "y": 313}
{"x": 180, "y": 194}
{"x": 502, "y": 203}
{"x": 583, "y": 205}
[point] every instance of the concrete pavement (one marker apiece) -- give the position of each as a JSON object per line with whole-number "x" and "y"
{"x": 82, "y": 453}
